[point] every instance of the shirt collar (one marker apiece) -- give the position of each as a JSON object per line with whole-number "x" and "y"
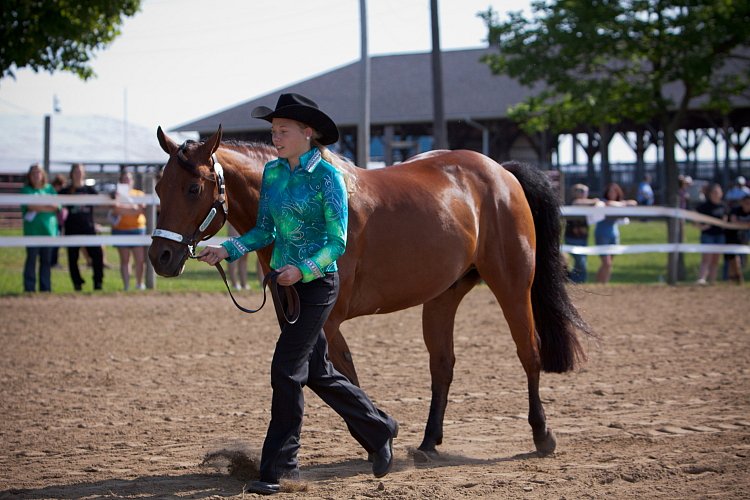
{"x": 307, "y": 161}
{"x": 310, "y": 160}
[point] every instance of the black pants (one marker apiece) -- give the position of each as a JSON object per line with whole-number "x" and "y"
{"x": 97, "y": 262}
{"x": 301, "y": 358}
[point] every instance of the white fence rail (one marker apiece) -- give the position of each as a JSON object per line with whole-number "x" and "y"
{"x": 16, "y": 200}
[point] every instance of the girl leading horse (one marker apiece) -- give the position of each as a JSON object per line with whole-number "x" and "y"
{"x": 425, "y": 232}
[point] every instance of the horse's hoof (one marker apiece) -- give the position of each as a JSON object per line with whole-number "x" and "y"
{"x": 546, "y": 445}
{"x": 421, "y": 456}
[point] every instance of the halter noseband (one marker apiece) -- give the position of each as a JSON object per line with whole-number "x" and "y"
{"x": 219, "y": 203}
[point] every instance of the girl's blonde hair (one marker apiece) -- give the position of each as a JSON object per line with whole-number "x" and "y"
{"x": 341, "y": 164}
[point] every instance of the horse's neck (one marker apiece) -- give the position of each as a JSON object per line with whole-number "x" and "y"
{"x": 243, "y": 172}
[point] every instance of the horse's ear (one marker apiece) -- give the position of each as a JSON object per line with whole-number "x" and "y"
{"x": 214, "y": 141}
{"x": 167, "y": 144}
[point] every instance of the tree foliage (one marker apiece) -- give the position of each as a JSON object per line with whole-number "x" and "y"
{"x": 58, "y": 35}
{"x": 607, "y": 61}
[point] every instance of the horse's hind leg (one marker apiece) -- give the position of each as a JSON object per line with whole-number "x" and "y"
{"x": 438, "y": 319}
{"x": 515, "y": 301}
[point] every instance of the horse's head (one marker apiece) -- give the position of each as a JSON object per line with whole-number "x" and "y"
{"x": 192, "y": 199}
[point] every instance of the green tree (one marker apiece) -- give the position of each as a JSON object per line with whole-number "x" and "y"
{"x": 58, "y": 35}
{"x": 604, "y": 62}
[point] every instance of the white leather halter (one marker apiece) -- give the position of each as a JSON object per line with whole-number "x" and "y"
{"x": 219, "y": 204}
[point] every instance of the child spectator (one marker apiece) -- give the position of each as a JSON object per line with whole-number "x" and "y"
{"x": 606, "y": 231}
{"x": 710, "y": 234}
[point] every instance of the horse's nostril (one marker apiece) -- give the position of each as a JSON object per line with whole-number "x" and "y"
{"x": 165, "y": 257}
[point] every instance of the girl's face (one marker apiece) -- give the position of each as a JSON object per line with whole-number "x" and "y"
{"x": 612, "y": 193}
{"x": 77, "y": 175}
{"x": 290, "y": 137}
{"x": 716, "y": 194}
{"x": 36, "y": 177}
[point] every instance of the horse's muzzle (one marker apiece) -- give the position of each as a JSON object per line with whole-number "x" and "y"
{"x": 168, "y": 260}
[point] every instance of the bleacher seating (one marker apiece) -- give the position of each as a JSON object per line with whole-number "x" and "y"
{"x": 10, "y": 217}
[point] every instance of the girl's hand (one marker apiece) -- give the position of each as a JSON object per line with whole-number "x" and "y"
{"x": 289, "y": 275}
{"x": 212, "y": 255}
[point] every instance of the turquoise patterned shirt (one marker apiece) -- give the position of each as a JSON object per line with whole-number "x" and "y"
{"x": 304, "y": 212}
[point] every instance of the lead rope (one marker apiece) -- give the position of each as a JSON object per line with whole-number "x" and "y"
{"x": 291, "y": 314}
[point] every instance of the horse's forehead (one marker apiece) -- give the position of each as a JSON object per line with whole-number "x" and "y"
{"x": 176, "y": 168}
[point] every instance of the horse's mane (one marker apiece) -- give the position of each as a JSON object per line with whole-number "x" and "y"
{"x": 264, "y": 152}
{"x": 262, "y": 149}
{"x": 235, "y": 144}
{"x": 259, "y": 150}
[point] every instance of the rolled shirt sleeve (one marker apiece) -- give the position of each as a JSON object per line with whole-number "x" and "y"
{"x": 264, "y": 232}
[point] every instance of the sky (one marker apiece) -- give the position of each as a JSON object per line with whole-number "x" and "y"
{"x": 179, "y": 60}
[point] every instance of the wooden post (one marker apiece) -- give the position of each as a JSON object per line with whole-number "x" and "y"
{"x": 47, "y": 132}
{"x": 440, "y": 132}
{"x": 363, "y": 130}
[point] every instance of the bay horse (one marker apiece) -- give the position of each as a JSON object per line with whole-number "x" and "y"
{"x": 423, "y": 232}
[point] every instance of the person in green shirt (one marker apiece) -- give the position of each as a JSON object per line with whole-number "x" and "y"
{"x": 38, "y": 220}
{"x": 303, "y": 211}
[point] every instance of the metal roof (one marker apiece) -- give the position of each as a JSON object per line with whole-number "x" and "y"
{"x": 401, "y": 92}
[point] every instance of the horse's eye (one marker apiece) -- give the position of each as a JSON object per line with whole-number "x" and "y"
{"x": 194, "y": 189}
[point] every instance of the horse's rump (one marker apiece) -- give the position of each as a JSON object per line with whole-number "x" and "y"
{"x": 421, "y": 221}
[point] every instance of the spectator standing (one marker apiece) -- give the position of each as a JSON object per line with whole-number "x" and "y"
{"x": 607, "y": 232}
{"x": 645, "y": 194}
{"x": 38, "y": 220}
{"x": 80, "y": 220}
{"x": 129, "y": 219}
{"x": 736, "y": 263}
{"x": 577, "y": 231}
{"x": 683, "y": 191}
{"x": 737, "y": 192}
{"x": 710, "y": 234}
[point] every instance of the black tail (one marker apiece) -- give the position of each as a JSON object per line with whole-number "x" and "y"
{"x": 557, "y": 319}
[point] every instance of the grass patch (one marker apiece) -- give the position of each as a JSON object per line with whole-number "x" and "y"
{"x": 648, "y": 267}
{"x": 197, "y": 277}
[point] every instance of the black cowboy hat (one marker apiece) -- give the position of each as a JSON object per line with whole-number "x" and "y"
{"x": 304, "y": 110}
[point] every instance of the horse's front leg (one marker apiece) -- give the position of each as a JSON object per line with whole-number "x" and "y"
{"x": 338, "y": 352}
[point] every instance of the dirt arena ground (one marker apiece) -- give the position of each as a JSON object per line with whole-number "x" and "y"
{"x": 122, "y": 396}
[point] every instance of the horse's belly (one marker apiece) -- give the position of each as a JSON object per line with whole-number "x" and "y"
{"x": 404, "y": 282}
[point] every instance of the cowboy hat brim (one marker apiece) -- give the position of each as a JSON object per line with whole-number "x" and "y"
{"x": 308, "y": 115}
